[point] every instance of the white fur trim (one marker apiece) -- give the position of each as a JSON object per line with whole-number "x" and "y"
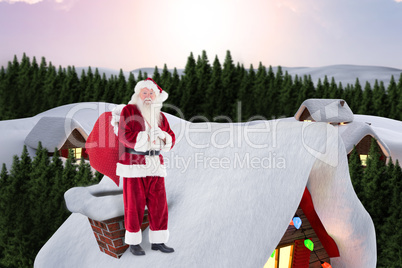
{"x": 148, "y": 84}
{"x": 151, "y": 168}
{"x": 141, "y": 145}
{"x": 162, "y": 97}
{"x": 133, "y": 238}
{"x": 168, "y": 144}
{"x": 116, "y": 118}
{"x": 158, "y": 237}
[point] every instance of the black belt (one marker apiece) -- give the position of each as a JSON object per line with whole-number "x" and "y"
{"x": 150, "y": 152}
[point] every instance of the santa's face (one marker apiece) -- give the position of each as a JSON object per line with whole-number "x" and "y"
{"x": 147, "y": 96}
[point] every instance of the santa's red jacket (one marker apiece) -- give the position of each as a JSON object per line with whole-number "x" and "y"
{"x": 134, "y": 133}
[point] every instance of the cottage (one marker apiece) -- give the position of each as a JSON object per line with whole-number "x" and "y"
{"x": 353, "y": 133}
{"x": 58, "y": 133}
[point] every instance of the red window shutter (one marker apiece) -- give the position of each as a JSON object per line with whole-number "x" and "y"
{"x": 301, "y": 255}
{"x": 64, "y": 153}
{"x": 84, "y": 153}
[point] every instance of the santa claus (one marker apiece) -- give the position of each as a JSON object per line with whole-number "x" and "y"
{"x": 144, "y": 132}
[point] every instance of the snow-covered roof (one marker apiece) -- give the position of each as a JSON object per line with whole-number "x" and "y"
{"x": 229, "y": 186}
{"x": 388, "y": 131}
{"x": 352, "y": 133}
{"x": 53, "y": 132}
{"x": 326, "y": 110}
{"x": 193, "y": 189}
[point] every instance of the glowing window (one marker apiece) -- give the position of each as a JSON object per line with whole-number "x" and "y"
{"x": 308, "y": 121}
{"x": 77, "y": 152}
{"x": 283, "y": 258}
{"x": 363, "y": 159}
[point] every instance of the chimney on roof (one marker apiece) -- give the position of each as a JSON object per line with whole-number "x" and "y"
{"x": 342, "y": 102}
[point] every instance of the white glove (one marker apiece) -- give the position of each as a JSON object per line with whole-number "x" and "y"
{"x": 156, "y": 132}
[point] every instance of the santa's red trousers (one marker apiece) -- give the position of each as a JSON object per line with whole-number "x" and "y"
{"x": 149, "y": 191}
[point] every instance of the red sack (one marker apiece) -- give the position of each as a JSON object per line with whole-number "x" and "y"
{"x": 103, "y": 146}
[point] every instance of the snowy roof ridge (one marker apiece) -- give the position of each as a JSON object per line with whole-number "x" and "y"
{"x": 354, "y": 132}
{"x": 326, "y": 110}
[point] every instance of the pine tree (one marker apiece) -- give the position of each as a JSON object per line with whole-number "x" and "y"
{"x": 23, "y": 86}
{"x": 11, "y": 100}
{"x": 379, "y": 99}
{"x": 348, "y": 94}
{"x": 391, "y": 233}
{"x": 72, "y": 88}
{"x": 325, "y": 87}
{"x": 190, "y": 82}
{"x": 17, "y": 253}
{"x": 286, "y": 102}
{"x": 56, "y": 167}
{"x": 399, "y": 97}
{"x": 174, "y": 88}
{"x": 273, "y": 93}
{"x": 49, "y": 90}
{"x": 366, "y": 105}
{"x": 357, "y": 96}
{"x": 319, "y": 93}
{"x": 2, "y": 92}
{"x": 165, "y": 79}
{"x": 392, "y": 99}
{"x": 65, "y": 182}
{"x": 121, "y": 88}
{"x": 246, "y": 95}
{"x": 356, "y": 173}
{"x": 37, "y": 86}
{"x": 97, "y": 87}
{"x": 129, "y": 88}
{"x": 228, "y": 85}
{"x": 156, "y": 75}
{"x": 4, "y": 181}
{"x": 108, "y": 96}
{"x": 374, "y": 182}
{"x": 84, "y": 174}
{"x": 214, "y": 92}
{"x": 203, "y": 72}
{"x": 140, "y": 76}
{"x": 261, "y": 87}
{"x": 334, "y": 92}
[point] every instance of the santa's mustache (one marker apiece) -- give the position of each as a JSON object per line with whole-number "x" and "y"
{"x": 147, "y": 100}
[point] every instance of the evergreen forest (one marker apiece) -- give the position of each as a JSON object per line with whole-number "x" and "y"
{"x": 32, "y": 203}
{"x": 217, "y": 92}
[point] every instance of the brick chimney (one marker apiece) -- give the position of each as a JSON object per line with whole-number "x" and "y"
{"x": 110, "y": 234}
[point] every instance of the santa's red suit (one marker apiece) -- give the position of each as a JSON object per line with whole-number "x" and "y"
{"x": 143, "y": 175}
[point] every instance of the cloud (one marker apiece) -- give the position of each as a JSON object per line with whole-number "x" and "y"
{"x": 398, "y": 1}
{"x": 65, "y": 5}
{"x": 31, "y": 2}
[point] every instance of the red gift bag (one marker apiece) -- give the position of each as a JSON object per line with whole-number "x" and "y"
{"x": 103, "y": 147}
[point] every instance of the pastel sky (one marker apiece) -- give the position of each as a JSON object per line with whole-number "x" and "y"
{"x": 131, "y": 34}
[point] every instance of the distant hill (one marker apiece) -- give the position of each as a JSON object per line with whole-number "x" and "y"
{"x": 346, "y": 74}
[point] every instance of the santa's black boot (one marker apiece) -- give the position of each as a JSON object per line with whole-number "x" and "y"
{"x": 137, "y": 250}
{"x": 162, "y": 247}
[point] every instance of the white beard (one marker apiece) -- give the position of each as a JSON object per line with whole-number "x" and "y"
{"x": 150, "y": 111}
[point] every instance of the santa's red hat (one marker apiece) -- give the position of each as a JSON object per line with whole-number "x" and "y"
{"x": 161, "y": 95}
